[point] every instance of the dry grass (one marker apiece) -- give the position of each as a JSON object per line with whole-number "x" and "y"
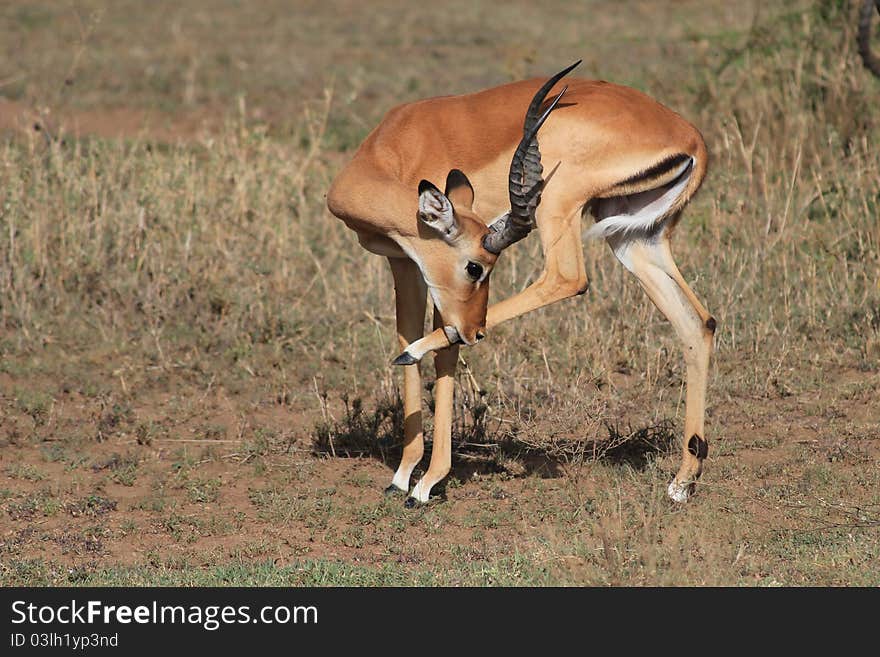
{"x": 189, "y": 306}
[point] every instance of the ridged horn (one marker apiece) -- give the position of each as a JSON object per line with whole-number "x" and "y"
{"x": 525, "y": 180}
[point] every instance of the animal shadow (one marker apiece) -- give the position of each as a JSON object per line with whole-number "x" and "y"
{"x": 479, "y": 448}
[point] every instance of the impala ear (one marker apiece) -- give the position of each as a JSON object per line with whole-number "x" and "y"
{"x": 459, "y": 190}
{"x": 436, "y": 211}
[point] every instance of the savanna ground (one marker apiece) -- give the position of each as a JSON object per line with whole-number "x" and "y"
{"x": 194, "y": 360}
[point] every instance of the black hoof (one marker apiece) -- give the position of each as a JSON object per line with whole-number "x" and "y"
{"x": 393, "y": 490}
{"x": 405, "y": 359}
{"x": 411, "y": 503}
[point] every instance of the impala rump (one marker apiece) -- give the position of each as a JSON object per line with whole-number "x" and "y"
{"x": 640, "y": 203}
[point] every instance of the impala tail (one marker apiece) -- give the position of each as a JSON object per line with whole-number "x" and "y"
{"x": 646, "y": 201}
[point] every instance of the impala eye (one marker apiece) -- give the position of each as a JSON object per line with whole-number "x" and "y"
{"x": 474, "y": 270}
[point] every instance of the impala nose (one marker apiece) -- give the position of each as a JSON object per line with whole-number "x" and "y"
{"x": 481, "y": 334}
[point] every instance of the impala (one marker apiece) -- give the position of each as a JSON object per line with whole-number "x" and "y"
{"x": 616, "y": 154}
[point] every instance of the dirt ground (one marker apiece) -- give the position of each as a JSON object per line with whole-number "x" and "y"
{"x": 181, "y": 478}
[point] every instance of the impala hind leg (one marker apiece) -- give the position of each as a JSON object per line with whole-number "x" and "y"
{"x": 564, "y": 274}
{"x": 650, "y": 260}
{"x": 445, "y": 361}
{"x": 410, "y": 299}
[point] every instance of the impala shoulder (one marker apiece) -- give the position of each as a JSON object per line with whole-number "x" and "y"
{"x": 336, "y": 197}
{"x": 377, "y": 158}
{"x": 349, "y": 189}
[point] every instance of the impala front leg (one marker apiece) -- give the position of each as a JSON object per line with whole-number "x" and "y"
{"x": 410, "y": 297}
{"x": 441, "y": 452}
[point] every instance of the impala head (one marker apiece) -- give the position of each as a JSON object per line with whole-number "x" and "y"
{"x": 457, "y": 274}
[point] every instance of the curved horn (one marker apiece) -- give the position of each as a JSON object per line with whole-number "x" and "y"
{"x": 525, "y": 181}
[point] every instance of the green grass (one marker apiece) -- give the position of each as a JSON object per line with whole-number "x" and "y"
{"x": 320, "y": 572}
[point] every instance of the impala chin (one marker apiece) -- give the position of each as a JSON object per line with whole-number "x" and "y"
{"x": 452, "y": 334}
{"x": 467, "y": 338}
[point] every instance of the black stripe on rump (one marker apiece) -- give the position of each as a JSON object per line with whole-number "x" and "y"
{"x": 658, "y": 169}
